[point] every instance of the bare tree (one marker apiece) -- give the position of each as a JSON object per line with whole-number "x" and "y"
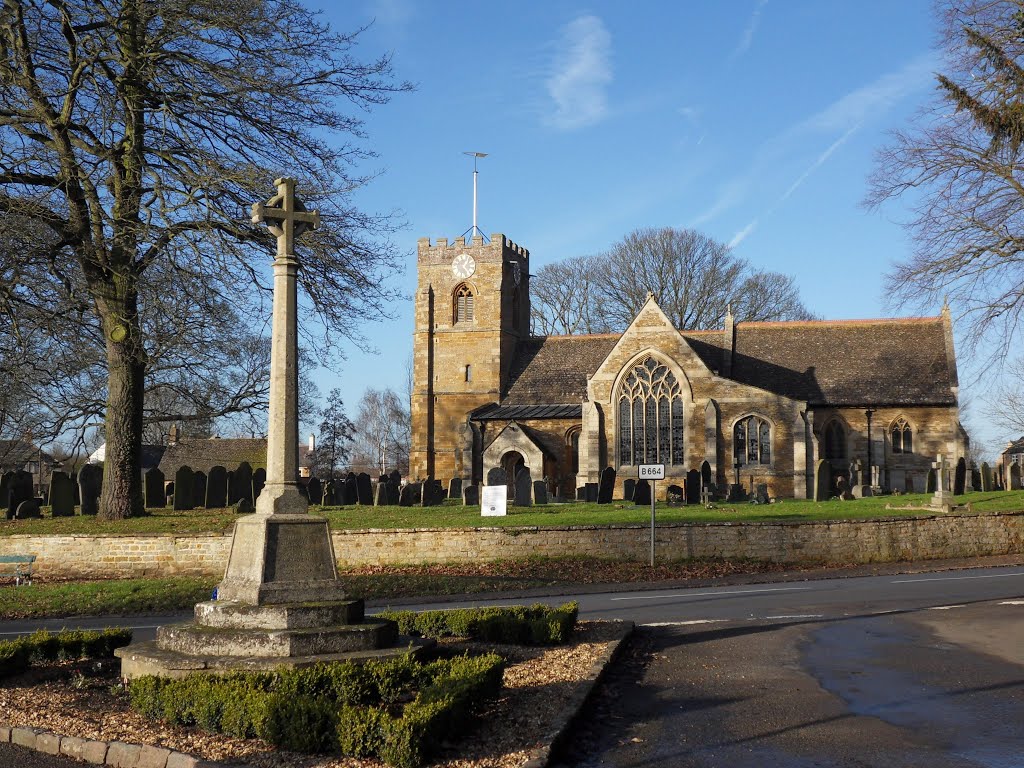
{"x": 382, "y": 432}
{"x": 136, "y": 135}
{"x": 960, "y": 167}
{"x": 693, "y": 278}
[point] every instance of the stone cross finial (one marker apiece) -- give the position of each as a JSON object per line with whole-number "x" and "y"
{"x": 285, "y": 216}
{"x": 943, "y": 498}
{"x": 941, "y": 468}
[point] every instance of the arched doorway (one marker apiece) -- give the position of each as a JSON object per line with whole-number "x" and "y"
{"x": 512, "y": 462}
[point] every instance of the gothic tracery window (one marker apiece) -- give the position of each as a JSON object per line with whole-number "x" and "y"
{"x": 650, "y": 416}
{"x": 902, "y": 436}
{"x": 752, "y": 440}
{"x": 462, "y": 304}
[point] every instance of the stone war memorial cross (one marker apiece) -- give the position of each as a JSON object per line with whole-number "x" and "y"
{"x": 280, "y": 603}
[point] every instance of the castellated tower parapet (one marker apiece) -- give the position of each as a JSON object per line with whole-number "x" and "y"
{"x": 472, "y": 308}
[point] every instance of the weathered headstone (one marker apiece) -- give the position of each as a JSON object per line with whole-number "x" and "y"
{"x": 706, "y": 480}
{"x": 986, "y": 477}
{"x": 471, "y": 495}
{"x": 74, "y": 485}
{"x": 607, "y": 486}
{"x": 642, "y": 493}
{"x": 315, "y": 490}
{"x": 693, "y": 480}
{"x": 592, "y": 490}
{"x": 380, "y": 496}
{"x": 822, "y": 480}
{"x": 960, "y": 477}
{"x": 524, "y": 488}
{"x": 628, "y": 488}
{"x": 153, "y": 488}
{"x": 497, "y": 476}
{"x": 330, "y": 493}
{"x": 1014, "y": 481}
{"x": 243, "y": 481}
{"x": 364, "y": 489}
{"x": 943, "y": 498}
{"x": 198, "y": 487}
{"x": 5, "y": 490}
{"x": 183, "y": 488}
{"x": 259, "y": 479}
{"x": 29, "y": 508}
{"x": 540, "y": 492}
{"x": 90, "y": 484}
{"x": 581, "y": 493}
{"x": 62, "y": 495}
{"x": 21, "y": 489}
{"x": 675, "y": 494}
{"x": 394, "y": 488}
{"x": 410, "y": 495}
{"x": 394, "y": 476}
{"x": 217, "y": 488}
{"x": 455, "y": 488}
{"x": 761, "y": 494}
{"x": 975, "y": 479}
{"x": 350, "y": 490}
{"x": 929, "y": 483}
{"x": 231, "y": 490}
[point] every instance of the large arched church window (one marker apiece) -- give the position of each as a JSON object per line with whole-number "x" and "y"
{"x": 462, "y": 304}
{"x": 902, "y": 436}
{"x": 835, "y": 440}
{"x": 752, "y": 439}
{"x": 650, "y": 416}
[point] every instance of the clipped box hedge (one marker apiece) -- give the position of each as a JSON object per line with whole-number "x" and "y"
{"x": 396, "y": 709}
{"x": 16, "y": 655}
{"x": 518, "y": 624}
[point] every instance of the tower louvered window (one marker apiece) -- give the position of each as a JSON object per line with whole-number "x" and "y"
{"x": 463, "y": 304}
{"x": 650, "y": 416}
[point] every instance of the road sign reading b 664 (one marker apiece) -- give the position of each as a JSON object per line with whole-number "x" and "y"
{"x": 651, "y": 471}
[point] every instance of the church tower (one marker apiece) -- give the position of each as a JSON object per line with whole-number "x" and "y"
{"x": 472, "y": 308}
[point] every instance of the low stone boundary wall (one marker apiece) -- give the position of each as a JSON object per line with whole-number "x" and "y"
{"x": 924, "y": 537}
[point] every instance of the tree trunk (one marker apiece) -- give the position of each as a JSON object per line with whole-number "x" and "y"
{"x": 122, "y": 467}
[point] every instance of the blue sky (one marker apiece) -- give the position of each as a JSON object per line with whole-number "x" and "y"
{"x": 755, "y": 122}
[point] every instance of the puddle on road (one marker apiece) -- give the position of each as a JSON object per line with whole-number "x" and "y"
{"x": 879, "y": 667}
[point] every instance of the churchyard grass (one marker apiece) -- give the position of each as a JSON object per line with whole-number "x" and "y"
{"x": 104, "y": 598}
{"x": 453, "y": 515}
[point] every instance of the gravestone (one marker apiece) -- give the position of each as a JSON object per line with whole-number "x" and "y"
{"x": 198, "y": 487}
{"x": 607, "y": 486}
{"x": 330, "y": 493}
{"x": 856, "y": 473}
{"x": 29, "y": 508}
{"x": 497, "y": 476}
{"x": 675, "y": 494}
{"x": 943, "y": 498}
{"x": 243, "y": 481}
{"x": 628, "y": 488}
{"x": 592, "y": 490}
{"x": 455, "y": 488}
{"x": 217, "y": 488}
{"x": 90, "y": 485}
{"x": 692, "y": 487}
{"x": 433, "y": 493}
{"x": 524, "y": 489}
{"x": 908, "y": 482}
{"x": 380, "y": 497}
{"x": 62, "y": 495}
{"x": 315, "y": 490}
{"x": 642, "y": 493}
{"x": 21, "y": 489}
{"x": 153, "y": 488}
{"x": 1014, "y": 482}
{"x": 169, "y": 490}
{"x": 929, "y": 483}
{"x": 822, "y": 480}
{"x": 394, "y": 488}
{"x": 74, "y": 485}
{"x": 761, "y": 494}
{"x": 259, "y": 479}
{"x": 471, "y": 495}
{"x": 395, "y": 477}
{"x": 706, "y": 480}
{"x": 410, "y": 495}
{"x": 581, "y": 493}
{"x": 364, "y": 489}
{"x": 975, "y": 479}
{"x": 183, "y": 488}
{"x": 842, "y": 489}
{"x": 960, "y": 477}
{"x": 5, "y": 489}
{"x": 230, "y": 489}
{"x": 540, "y": 492}
{"x": 735, "y": 494}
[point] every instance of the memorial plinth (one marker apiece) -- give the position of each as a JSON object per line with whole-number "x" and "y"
{"x": 280, "y": 603}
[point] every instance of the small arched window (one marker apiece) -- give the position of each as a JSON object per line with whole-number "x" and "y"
{"x": 572, "y": 442}
{"x": 835, "y": 440}
{"x": 462, "y": 304}
{"x": 650, "y": 421}
{"x": 752, "y": 439}
{"x": 902, "y": 436}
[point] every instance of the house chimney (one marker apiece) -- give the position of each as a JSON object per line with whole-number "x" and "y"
{"x": 312, "y": 442}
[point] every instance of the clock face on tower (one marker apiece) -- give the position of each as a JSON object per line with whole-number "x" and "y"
{"x": 463, "y": 266}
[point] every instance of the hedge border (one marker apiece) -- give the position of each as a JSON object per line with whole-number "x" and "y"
{"x": 538, "y": 624}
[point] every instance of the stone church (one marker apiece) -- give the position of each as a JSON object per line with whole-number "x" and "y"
{"x": 760, "y": 402}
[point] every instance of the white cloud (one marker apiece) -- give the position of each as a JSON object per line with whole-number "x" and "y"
{"x": 747, "y": 38}
{"x": 580, "y": 74}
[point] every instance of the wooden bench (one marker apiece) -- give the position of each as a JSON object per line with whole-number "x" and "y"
{"x": 17, "y": 567}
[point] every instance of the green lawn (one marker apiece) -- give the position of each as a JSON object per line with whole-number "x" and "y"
{"x": 457, "y": 516}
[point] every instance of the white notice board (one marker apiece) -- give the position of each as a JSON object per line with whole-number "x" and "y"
{"x": 494, "y": 500}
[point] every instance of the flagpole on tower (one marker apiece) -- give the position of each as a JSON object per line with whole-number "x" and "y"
{"x": 475, "y": 230}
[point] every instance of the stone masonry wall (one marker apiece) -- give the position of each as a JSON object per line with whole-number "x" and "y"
{"x": 900, "y": 538}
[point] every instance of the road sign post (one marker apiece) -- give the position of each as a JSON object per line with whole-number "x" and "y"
{"x": 652, "y": 472}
